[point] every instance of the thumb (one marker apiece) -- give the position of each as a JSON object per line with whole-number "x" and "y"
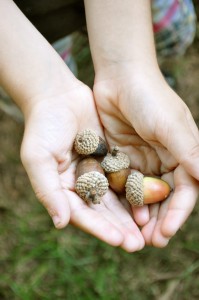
{"x": 46, "y": 184}
{"x": 182, "y": 141}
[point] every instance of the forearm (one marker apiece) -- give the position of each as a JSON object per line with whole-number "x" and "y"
{"x": 120, "y": 33}
{"x": 29, "y": 66}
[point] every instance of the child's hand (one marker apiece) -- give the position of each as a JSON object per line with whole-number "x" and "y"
{"x": 56, "y": 106}
{"x": 148, "y": 121}
{"x": 47, "y": 154}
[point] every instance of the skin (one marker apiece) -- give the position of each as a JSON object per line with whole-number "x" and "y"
{"x": 141, "y": 113}
{"x": 54, "y": 104}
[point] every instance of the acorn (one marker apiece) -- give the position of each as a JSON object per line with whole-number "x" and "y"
{"x": 142, "y": 190}
{"x": 87, "y": 142}
{"x": 116, "y": 165}
{"x": 91, "y": 183}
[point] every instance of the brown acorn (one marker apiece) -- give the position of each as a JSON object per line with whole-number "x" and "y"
{"x": 87, "y": 142}
{"x": 142, "y": 190}
{"x": 116, "y": 165}
{"x": 91, "y": 184}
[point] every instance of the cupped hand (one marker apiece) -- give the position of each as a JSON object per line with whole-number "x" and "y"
{"x": 48, "y": 157}
{"x": 150, "y": 123}
{"x": 167, "y": 217}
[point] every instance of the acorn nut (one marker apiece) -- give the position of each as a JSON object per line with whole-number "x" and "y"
{"x": 116, "y": 165}
{"x": 87, "y": 142}
{"x": 91, "y": 184}
{"x": 142, "y": 190}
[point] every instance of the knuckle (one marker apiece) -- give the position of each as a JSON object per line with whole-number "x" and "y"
{"x": 43, "y": 198}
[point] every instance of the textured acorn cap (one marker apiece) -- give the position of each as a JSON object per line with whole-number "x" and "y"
{"x": 91, "y": 186}
{"x": 135, "y": 189}
{"x": 86, "y": 142}
{"x": 114, "y": 163}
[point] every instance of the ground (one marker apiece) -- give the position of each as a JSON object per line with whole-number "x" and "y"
{"x": 39, "y": 262}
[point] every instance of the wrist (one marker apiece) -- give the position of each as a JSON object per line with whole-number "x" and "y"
{"x": 49, "y": 83}
{"x": 120, "y": 35}
{"x": 134, "y": 71}
{"x": 58, "y": 93}
{"x": 114, "y": 64}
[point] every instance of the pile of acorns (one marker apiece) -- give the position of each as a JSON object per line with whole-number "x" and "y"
{"x": 99, "y": 169}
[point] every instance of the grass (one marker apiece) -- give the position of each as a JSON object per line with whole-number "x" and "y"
{"x": 40, "y": 262}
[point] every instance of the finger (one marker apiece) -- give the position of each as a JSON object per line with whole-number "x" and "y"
{"x": 46, "y": 184}
{"x": 157, "y": 238}
{"x": 175, "y": 210}
{"x": 121, "y": 217}
{"x": 181, "y": 204}
{"x": 147, "y": 230}
{"x": 93, "y": 222}
{"x": 183, "y": 143}
{"x": 168, "y": 162}
{"x": 141, "y": 215}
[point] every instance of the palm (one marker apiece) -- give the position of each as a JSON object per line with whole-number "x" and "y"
{"x": 119, "y": 132}
{"x": 48, "y": 156}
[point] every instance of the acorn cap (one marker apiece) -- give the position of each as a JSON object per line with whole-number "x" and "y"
{"x": 115, "y": 161}
{"x": 102, "y": 148}
{"x": 91, "y": 186}
{"x": 135, "y": 189}
{"x": 86, "y": 142}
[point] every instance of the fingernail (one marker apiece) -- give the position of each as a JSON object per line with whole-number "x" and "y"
{"x": 56, "y": 221}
